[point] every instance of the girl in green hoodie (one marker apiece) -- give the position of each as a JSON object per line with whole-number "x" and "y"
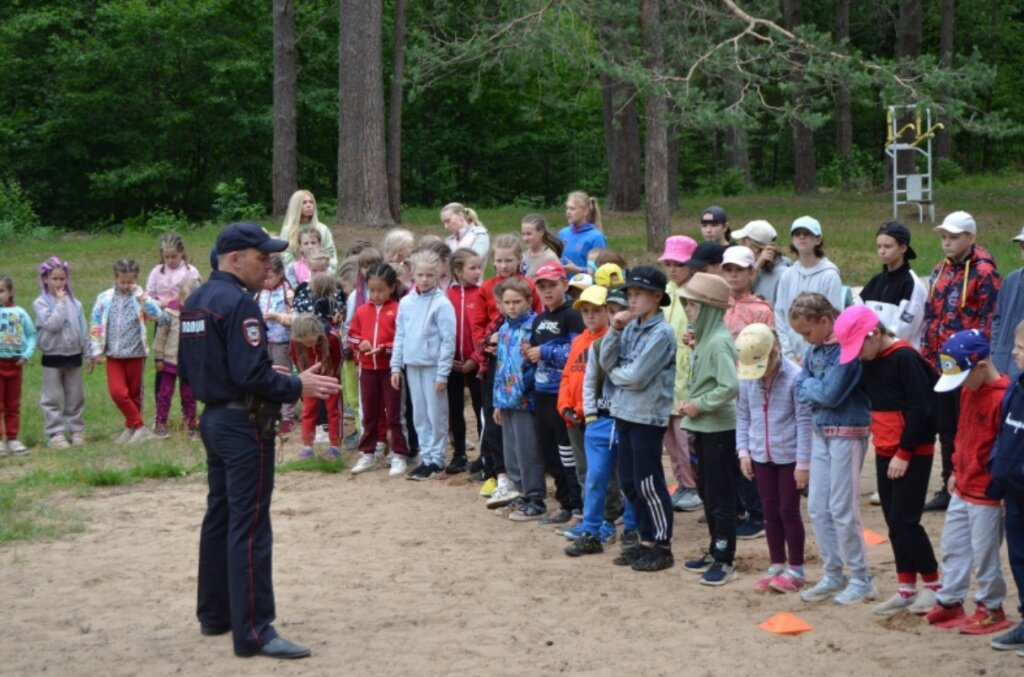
{"x": 710, "y": 414}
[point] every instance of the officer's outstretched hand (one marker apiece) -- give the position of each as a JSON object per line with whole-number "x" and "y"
{"x": 316, "y": 385}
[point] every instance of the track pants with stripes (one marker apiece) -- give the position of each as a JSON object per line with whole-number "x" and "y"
{"x": 642, "y": 478}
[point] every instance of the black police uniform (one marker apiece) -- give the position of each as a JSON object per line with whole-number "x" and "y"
{"x": 223, "y": 356}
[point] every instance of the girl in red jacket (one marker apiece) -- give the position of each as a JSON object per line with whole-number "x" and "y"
{"x": 466, "y": 270}
{"x": 371, "y": 335}
{"x": 314, "y": 343}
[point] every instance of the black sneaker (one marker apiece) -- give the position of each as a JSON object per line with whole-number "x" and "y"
{"x": 586, "y": 544}
{"x": 630, "y": 539}
{"x": 458, "y": 465}
{"x": 658, "y": 558}
{"x": 628, "y": 557}
{"x": 560, "y": 516}
{"x": 939, "y": 502}
{"x": 476, "y": 465}
{"x": 424, "y": 471}
{"x": 477, "y": 476}
{"x": 528, "y": 512}
{"x": 748, "y": 530}
{"x": 699, "y": 566}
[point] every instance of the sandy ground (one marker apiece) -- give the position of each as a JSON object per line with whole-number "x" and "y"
{"x": 385, "y": 576}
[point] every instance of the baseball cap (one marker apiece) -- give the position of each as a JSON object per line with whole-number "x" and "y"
{"x": 704, "y": 255}
{"x": 649, "y": 278}
{"x": 958, "y": 356}
{"x": 739, "y": 255}
{"x": 552, "y": 270}
{"x": 594, "y": 294}
{"x": 1020, "y": 238}
{"x": 581, "y": 281}
{"x": 851, "y": 328}
{"x": 717, "y": 214}
{"x": 759, "y": 231}
{"x": 710, "y": 290}
{"x": 235, "y": 237}
{"x": 754, "y": 345}
{"x": 609, "y": 275}
{"x": 807, "y": 223}
{"x": 617, "y": 295}
{"x": 901, "y": 234}
{"x": 958, "y": 222}
{"x": 678, "y": 248}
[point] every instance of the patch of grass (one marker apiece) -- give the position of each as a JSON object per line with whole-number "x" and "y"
{"x": 105, "y": 477}
{"x": 315, "y": 464}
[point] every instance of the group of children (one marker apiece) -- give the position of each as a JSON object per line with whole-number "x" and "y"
{"x": 762, "y": 377}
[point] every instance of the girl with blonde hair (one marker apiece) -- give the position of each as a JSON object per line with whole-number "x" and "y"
{"x": 302, "y": 212}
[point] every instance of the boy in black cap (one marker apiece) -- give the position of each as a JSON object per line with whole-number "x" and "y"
{"x": 638, "y": 354}
{"x": 896, "y": 294}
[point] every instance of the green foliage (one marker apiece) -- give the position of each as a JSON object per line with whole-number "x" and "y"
{"x": 728, "y": 182}
{"x": 17, "y": 217}
{"x": 948, "y": 171}
{"x": 861, "y": 169}
{"x": 159, "y": 220}
{"x": 232, "y": 203}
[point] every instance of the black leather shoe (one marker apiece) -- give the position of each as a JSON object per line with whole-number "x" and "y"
{"x": 939, "y": 502}
{"x": 214, "y": 630}
{"x": 279, "y": 647}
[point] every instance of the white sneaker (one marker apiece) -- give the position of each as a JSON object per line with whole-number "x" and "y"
{"x": 924, "y": 602}
{"x": 365, "y": 462}
{"x": 877, "y": 500}
{"x": 825, "y": 588}
{"x": 503, "y": 493}
{"x": 58, "y": 441}
{"x": 894, "y": 604}
{"x": 321, "y": 435}
{"x": 398, "y": 466}
{"x": 124, "y": 436}
{"x": 380, "y": 450}
{"x": 141, "y": 435}
{"x": 16, "y": 447}
{"x": 857, "y": 590}
{"x": 3, "y": 449}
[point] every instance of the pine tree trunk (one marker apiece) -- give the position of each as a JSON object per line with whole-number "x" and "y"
{"x": 362, "y": 166}
{"x": 674, "y": 130}
{"x": 944, "y": 138}
{"x": 844, "y": 117}
{"x": 805, "y": 178}
{"x": 285, "y": 163}
{"x": 395, "y": 115}
{"x": 622, "y": 144}
{"x": 737, "y": 153}
{"x": 656, "y": 134}
{"x": 909, "y": 38}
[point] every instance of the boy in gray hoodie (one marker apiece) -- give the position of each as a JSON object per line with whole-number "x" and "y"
{"x": 639, "y": 354}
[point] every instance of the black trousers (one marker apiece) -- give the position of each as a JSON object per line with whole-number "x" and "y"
{"x": 457, "y": 384}
{"x": 235, "y": 588}
{"x": 716, "y": 485}
{"x": 949, "y": 418}
{"x": 642, "y": 477}
{"x": 554, "y": 442}
{"x": 902, "y": 505}
{"x": 491, "y": 445}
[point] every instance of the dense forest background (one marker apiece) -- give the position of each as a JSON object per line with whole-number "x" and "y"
{"x": 142, "y": 110}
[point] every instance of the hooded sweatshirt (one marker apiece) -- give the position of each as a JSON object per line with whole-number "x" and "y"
{"x": 897, "y": 297}
{"x": 747, "y": 310}
{"x": 980, "y": 414}
{"x": 554, "y": 331}
{"x": 822, "y": 278}
{"x": 963, "y": 296}
{"x": 486, "y": 313}
{"x": 61, "y": 327}
{"x": 900, "y": 385}
{"x": 17, "y": 333}
{"x": 425, "y": 333}
{"x": 578, "y": 240}
{"x": 772, "y": 425}
{"x": 713, "y": 382}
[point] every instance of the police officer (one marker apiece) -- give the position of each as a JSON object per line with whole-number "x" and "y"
{"x": 223, "y": 357}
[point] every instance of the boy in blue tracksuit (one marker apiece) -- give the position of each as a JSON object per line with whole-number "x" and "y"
{"x": 553, "y": 332}
{"x": 639, "y": 355}
{"x": 1006, "y": 466}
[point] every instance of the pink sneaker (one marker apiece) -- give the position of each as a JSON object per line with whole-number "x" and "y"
{"x": 787, "y": 582}
{"x": 765, "y": 582}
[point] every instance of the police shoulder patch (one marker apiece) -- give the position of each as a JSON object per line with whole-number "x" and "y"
{"x": 253, "y": 331}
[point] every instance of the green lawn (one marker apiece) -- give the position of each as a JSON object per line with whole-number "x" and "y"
{"x": 26, "y": 484}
